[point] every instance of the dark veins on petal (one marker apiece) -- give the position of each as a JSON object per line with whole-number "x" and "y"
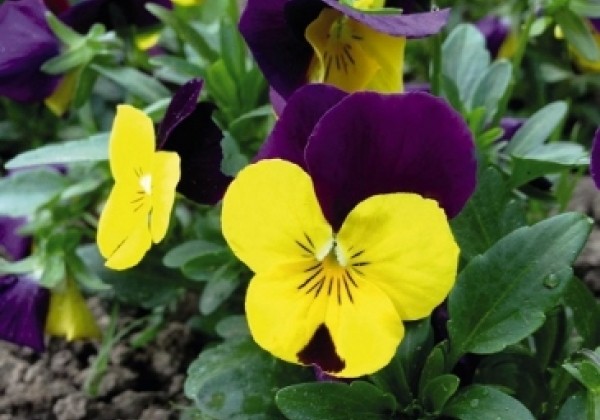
{"x": 320, "y": 351}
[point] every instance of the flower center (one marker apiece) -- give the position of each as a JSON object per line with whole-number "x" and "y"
{"x": 146, "y": 183}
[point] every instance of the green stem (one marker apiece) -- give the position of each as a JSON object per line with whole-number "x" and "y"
{"x": 516, "y": 63}
{"x": 436, "y": 65}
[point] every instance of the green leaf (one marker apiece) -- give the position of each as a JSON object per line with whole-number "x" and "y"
{"x": 222, "y": 284}
{"x": 63, "y": 32}
{"x": 137, "y": 83}
{"x": 524, "y": 275}
{"x": 490, "y": 214}
{"x": 22, "y": 193}
{"x": 586, "y": 312}
{"x": 578, "y": 34}
{"x": 585, "y": 367}
{"x": 465, "y": 59}
{"x": 237, "y": 379}
{"x": 491, "y": 88}
{"x": 149, "y": 284}
{"x": 184, "y": 30}
{"x": 234, "y": 326}
{"x": 335, "y": 401}
{"x": 588, "y": 8}
{"x": 438, "y": 391}
{"x": 574, "y": 408}
{"x": 479, "y": 402}
{"x": 233, "y": 159}
{"x": 435, "y": 366}
{"x": 400, "y": 377}
{"x": 537, "y": 129}
{"x": 187, "y": 251}
{"x": 94, "y": 148}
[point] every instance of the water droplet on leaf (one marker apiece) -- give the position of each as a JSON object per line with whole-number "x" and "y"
{"x": 551, "y": 281}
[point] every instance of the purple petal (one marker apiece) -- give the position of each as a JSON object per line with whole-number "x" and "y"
{"x": 189, "y": 130}
{"x": 26, "y": 43}
{"x": 595, "y": 159}
{"x": 274, "y": 32}
{"x": 374, "y": 144}
{"x": 23, "y": 309}
{"x": 510, "y": 125}
{"x": 415, "y": 25}
{"x": 302, "y": 112}
{"x": 111, "y": 13}
{"x": 595, "y": 24}
{"x": 417, "y": 87}
{"x": 181, "y": 106}
{"x": 13, "y": 245}
{"x": 495, "y": 29}
{"x": 277, "y": 101}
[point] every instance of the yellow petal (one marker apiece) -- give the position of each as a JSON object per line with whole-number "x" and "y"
{"x": 69, "y": 315}
{"x": 147, "y": 40}
{"x": 385, "y": 50}
{"x": 509, "y": 46}
{"x": 347, "y": 330}
{"x": 339, "y": 57}
{"x": 60, "y": 99}
{"x": 131, "y": 144}
{"x": 583, "y": 63}
{"x": 402, "y": 243}
{"x": 165, "y": 177}
{"x": 123, "y": 235}
{"x": 271, "y": 216}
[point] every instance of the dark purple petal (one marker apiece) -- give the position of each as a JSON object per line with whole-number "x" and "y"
{"x": 302, "y": 112}
{"x": 26, "y": 42}
{"x": 181, "y": 106}
{"x": 595, "y": 159}
{"x": 495, "y": 29}
{"x": 111, "y": 13}
{"x": 277, "y": 101}
{"x": 415, "y": 25}
{"x": 417, "y": 87}
{"x": 188, "y": 130}
{"x": 510, "y": 125}
{"x": 23, "y": 309}
{"x": 595, "y": 24}
{"x": 372, "y": 144}
{"x": 13, "y": 245}
{"x": 274, "y": 32}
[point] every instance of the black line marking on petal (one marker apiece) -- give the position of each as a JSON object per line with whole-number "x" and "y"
{"x": 357, "y": 37}
{"x": 138, "y": 207}
{"x": 339, "y": 292}
{"x": 357, "y": 270}
{"x": 349, "y": 276}
{"x": 301, "y": 245}
{"x": 347, "y": 49}
{"x": 348, "y": 291}
{"x": 310, "y": 242}
{"x": 321, "y": 283}
{"x": 308, "y": 280}
{"x": 314, "y": 286}
{"x": 360, "y": 264}
{"x": 312, "y": 268}
{"x": 327, "y": 67}
{"x": 330, "y": 286}
{"x": 357, "y": 254}
{"x": 320, "y": 351}
{"x": 137, "y": 200}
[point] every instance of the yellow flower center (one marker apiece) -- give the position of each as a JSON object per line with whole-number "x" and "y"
{"x": 146, "y": 183}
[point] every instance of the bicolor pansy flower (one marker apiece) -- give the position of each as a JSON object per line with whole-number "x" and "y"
{"x": 500, "y": 39}
{"x": 356, "y": 47}
{"x": 26, "y": 43}
{"x": 356, "y": 191}
{"x": 139, "y": 206}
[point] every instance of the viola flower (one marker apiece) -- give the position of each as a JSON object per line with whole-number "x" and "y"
{"x": 138, "y": 208}
{"x": 200, "y": 152}
{"x": 358, "y": 239}
{"x": 295, "y": 42}
{"x": 69, "y": 315}
{"x": 582, "y": 62}
{"x": 26, "y": 43}
{"x": 500, "y": 40}
{"x": 595, "y": 159}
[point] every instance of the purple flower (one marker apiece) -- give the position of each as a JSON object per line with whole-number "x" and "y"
{"x": 595, "y": 159}
{"x": 111, "y": 13}
{"x": 499, "y": 40}
{"x": 289, "y": 41}
{"x": 510, "y": 125}
{"x": 188, "y": 129}
{"x": 358, "y": 145}
{"x": 23, "y": 302}
{"x": 26, "y": 42}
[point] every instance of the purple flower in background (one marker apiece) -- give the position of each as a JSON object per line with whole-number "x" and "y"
{"x": 499, "y": 39}
{"x": 373, "y": 137}
{"x": 188, "y": 130}
{"x": 26, "y": 42}
{"x": 292, "y": 42}
{"x": 111, "y": 13}
{"x": 595, "y": 159}
{"x": 510, "y": 125}
{"x": 23, "y": 302}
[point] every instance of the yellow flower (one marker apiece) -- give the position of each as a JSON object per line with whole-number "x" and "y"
{"x": 138, "y": 209}
{"x": 353, "y": 56}
{"x": 335, "y": 299}
{"x": 69, "y": 315}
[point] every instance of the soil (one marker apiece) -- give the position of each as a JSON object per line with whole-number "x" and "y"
{"x": 143, "y": 383}
{"x": 147, "y": 383}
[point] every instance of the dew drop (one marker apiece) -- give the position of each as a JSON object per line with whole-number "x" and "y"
{"x": 551, "y": 281}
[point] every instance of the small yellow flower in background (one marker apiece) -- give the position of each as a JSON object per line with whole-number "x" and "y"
{"x": 69, "y": 315}
{"x": 138, "y": 209}
{"x": 188, "y": 2}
